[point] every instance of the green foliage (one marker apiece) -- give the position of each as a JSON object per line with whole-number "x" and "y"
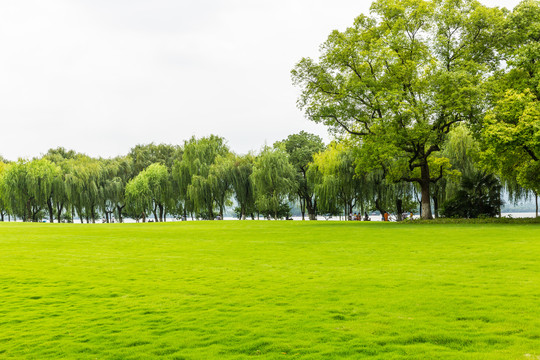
{"x": 149, "y": 192}
{"x": 512, "y": 138}
{"x": 196, "y": 186}
{"x": 274, "y": 180}
{"x": 242, "y": 184}
{"x": 27, "y": 186}
{"x": 403, "y": 77}
{"x": 142, "y": 156}
{"x": 337, "y": 185}
{"x": 511, "y": 130}
{"x": 301, "y": 148}
{"x": 479, "y": 196}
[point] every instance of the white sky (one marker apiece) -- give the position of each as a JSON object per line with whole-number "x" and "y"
{"x": 100, "y": 76}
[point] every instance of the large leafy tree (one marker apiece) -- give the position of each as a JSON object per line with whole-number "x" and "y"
{"x": 511, "y": 130}
{"x": 197, "y": 189}
{"x": 27, "y": 187}
{"x": 59, "y": 199}
{"x": 117, "y": 172}
{"x": 301, "y": 147}
{"x": 149, "y": 192}
{"x": 274, "y": 180}
{"x": 337, "y": 185}
{"x": 83, "y": 185}
{"x": 242, "y": 184}
{"x": 139, "y": 197}
{"x": 403, "y": 77}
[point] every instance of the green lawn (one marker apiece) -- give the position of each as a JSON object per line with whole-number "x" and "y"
{"x": 271, "y": 290}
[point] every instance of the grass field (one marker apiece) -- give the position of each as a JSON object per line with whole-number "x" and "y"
{"x": 270, "y": 290}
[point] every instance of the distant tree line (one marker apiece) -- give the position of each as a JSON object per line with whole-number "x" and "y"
{"x": 201, "y": 178}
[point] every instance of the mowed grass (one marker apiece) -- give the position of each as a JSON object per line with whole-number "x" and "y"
{"x": 270, "y": 290}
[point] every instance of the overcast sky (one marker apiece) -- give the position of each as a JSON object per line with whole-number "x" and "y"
{"x": 100, "y": 76}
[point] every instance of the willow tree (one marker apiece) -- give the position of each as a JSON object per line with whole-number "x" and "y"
{"x": 139, "y": 197}
{"x": 242, "y": 184}
{"x": 116, "y": 172}
{"x": 83, "y": 186}
{"x": 191, "y": 173}
{"x": 44, "y": 180}
{"x": 27, "y": 187}
{"x": 403, "y": 77}
{"x": 221, "y": 179}
{"x": 4, "y": 205}
{"x": 338, "y": 186}
{"x": 301, "y": 147}
{"x": 274, "y": 180}
{"x": 59, "y": 199}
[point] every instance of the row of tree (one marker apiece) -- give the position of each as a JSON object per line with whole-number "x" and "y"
{"x": 199, "y": 179}
{"x": 203, "y": 177}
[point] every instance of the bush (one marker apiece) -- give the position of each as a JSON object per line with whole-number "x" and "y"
{"x": 479, "y": 196}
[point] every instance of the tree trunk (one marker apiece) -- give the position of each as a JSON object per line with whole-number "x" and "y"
{"x": 59, "y": 208}
{"x": 160, "y": 212}
{"x": 51, "y": 211}
{"x": 35, "y": 211}
{"x": 399, "y": 208}
{"x": 28, "y": 216}
{"x": 426, "y": 198}
{"x": 154, "y": 210}
{"x": 379, "y": 207}
{"x": 436, "y": 206}
{"x": 312, "y": 209}
{"x": 536, "y": 200}
{"x": 119, "y": 208}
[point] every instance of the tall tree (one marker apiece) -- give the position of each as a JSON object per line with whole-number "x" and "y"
{"x": 403, "y": 77}
{"x": 511, "y": 131}
{"x": 116, "y": 173}
{"x": 242, "y": 184}
{"x": 338, "y": 185}
{"x": 191, "y": 174}
{"x": 274, "y": 179}
{"x": 27, "y": 186}
{"x": 301, "y": 147}
{"x": 139, "y": 197}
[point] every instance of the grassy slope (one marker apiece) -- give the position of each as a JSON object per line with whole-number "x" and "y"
{"x": 269, "y": 289}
